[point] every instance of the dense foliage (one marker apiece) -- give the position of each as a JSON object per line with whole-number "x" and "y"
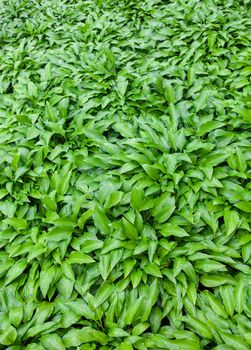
{"x": 125, "y": 161}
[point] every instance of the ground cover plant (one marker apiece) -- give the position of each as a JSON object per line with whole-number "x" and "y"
{"x": 125, "y": 175}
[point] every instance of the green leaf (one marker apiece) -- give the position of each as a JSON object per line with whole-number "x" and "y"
{"x": 200, "y": 327}
{"x": 52, "y": 342}
{"x": 201, "y": 101}
{"x": 122, "y": 86}
{"x": 116, "y": 332}
{"x": 103, "y": 293}
{"x": 244, "y": 206}
{"x": 16, "y": 315}
{"x": 130, "y": 231}
{"x": 152, "y": 269}
{"x": 227, "y": 294}
{"x": 231, "y": 218}
{"x": 208, "y": 265}
{"x": 140, "y": 328}
{"x": 16, "y": 270}
{"x": 235, "y": 341}
{"x": 17, "y": 223}
{"x": 76, "y": 337}
{"x": 173, "y": 230}
{"x": 240, "y": 296}
{"x": 151, "y": 171}
{"x": 46, "y": 278}
{"x": 216, "y": 305}
{"x": 209, "y": 126}
{"x": 59, "y": 233}
{"x": 137, "y": 198}
{"x": 136, "y": 276}
{"x": 169, "y": 93}
{"x": 101, "y": 221}
{"x": 113, "y": 199}
{"x": 125, "y": 346}
{"x": 8, "y": 336}
{"x": 80, "y": 258}
{"x": 215, "y": 281}
{"x": 125, "y": 175}
{"x": 7, "y": 208}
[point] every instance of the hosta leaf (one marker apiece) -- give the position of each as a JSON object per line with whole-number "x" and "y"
{"x": 240, "y": 296}
{"x": 215, "y": 281}
{"x": 209, "y": 126}
{"x": 200, "y": 327}
{"x": 136, "y": 276}
{"x": 201, "y": 101}
{"x": 227, "y": 294}
{"x": 244, "y": 206}
{"x": 76, "y": 337}
{"x": 231, "y": 218}
{"x": 16, "y": 315}
{"x": 125, "y": 346}
{"x": 152, "y": 172}
{"x": 234, "y": 340}
{"x": 216, "y": 305}
{"x": 207, "y": 265}
{"x": 130, "y": 231}
{"x": 16, "y": 270}
{"x": 103, "y": 293}
{"x": 17, "y": 223}
{"x": 8, "y": 336}
{"x": 101, "y": 221}
{"x": 7, "y": 208}
{"x": 52, "y": 341}
{"x": 59, "y": 233}
{"x": 114, "y": 199}
{"x": 80, "y": 258}
{"x": 122, "y": 86}
{"x": 46, "y": 278}
{"x": 152, "y": 269}
{"x": 169, "y": 93}
{"x": 137, "y": 198}
{"x": 173, "y": 230}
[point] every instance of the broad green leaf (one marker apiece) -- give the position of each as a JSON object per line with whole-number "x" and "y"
{"x": 80, "y": 258}
{"x": 240, "y": 296}
{"x": 17, "y": 223}
{"x": 16, "y": 270}
{"x": 231, "y": 218}
{"x": 46, "y": 278}
{"x": 52, "y": 341}
{"x": 215, "y": 281}
{"x": 200, "y": 327}
{"x": 209, "y": 126}
{"x": 8, "y": 336}
{"x": 137, "y": 198}
{"x": 244, "y": 206}
{"x": 209, "y": 265}
{"x": 76, "y": 337}
{"x": 103, "y": 293}
{"x": 59, "y": 233}
{"x": 101, "y": 221}
{"x": 152, "y": 269}
{"x": 227, "y": 294}
{"x": 173, "y": 230}
{"x": 16, "y": 315}
{"x": 129, "y": 229}
{"x": 113, "y": 199}
{"x": 235, "y": 341}
{"x": 122, "y": 86}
